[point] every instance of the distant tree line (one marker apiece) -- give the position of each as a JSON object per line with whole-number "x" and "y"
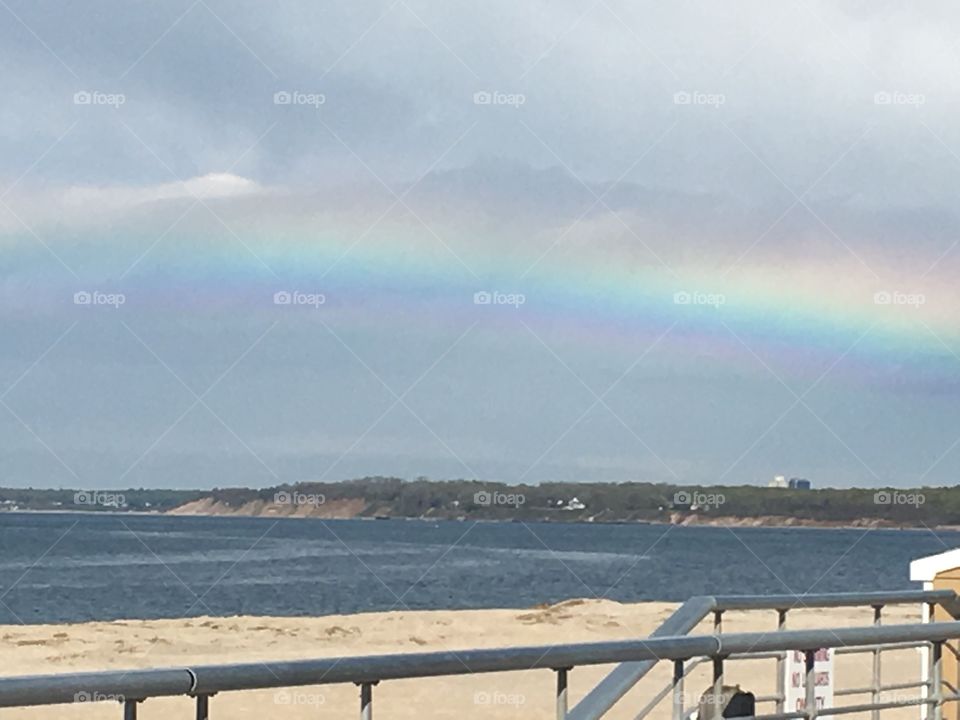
{"x": 130, "y": 499}
{"x": 621, "y": 502}
{"x": 599, "y": 502}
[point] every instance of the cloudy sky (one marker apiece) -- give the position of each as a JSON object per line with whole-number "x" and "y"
{"x": 698, "y": 242}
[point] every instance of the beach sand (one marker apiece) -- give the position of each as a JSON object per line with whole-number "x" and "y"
{"x": 32, "y": 649}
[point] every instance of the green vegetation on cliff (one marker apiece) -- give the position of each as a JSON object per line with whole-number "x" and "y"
{"x": 597, "y": 502}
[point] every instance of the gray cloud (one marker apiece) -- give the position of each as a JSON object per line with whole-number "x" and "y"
{"x": 700, "y": 124}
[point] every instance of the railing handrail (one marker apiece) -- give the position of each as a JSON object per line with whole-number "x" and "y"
{"x": 621, "y": 679}
{"x": 825, "y": 600}
{"x": 210, "y": 679}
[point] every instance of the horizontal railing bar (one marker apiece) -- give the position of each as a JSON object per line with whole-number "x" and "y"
{"x": 733, "y": 643}
{"x": 853, "y": 691}
{"x": 883, "y": 648}
{"x": 822, "y": 600}
{"x": 208, "y": 679}
{"x": 756, "y": 656}
{"x": 889, "y": 705}
{"x": 71, "y": 687}
{"x": 883, "y": 688}
{"x": 848, "y": 709}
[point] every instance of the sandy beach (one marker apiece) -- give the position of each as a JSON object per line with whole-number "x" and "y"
{"x": 31, "y": 649}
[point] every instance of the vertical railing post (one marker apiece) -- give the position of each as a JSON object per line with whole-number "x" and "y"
{"x": 875, "y": 688}
{"x": 717, "y": 711}
{"x": 130, "y": 709}
{"x": 562, "y": 693}
{"x": 717, "y": 669}
{"x": 678, "y": 689}
{"x": 203, "y": 707}
{"x": 936, "y": 681}
{"x": 810, "y": 702}
{"x": 366, "y": 701}
{"x": 926, "y": 658}
{"x": 781, "y": 664}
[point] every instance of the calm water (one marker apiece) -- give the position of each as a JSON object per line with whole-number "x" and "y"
{"x": 85, "y": 567}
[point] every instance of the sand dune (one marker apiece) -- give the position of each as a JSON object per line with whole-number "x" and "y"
{"x": 156, "y": 643}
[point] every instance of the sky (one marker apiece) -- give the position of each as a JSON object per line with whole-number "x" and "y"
{"x": 248, "y": 244}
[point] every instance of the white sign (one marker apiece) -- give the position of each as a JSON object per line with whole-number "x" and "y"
{"x": 795, "y": 669}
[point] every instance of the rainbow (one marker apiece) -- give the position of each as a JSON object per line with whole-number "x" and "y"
{"x": 602, "y": 300}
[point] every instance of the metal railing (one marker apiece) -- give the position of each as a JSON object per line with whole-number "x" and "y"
{"x": 613, "y": 687}
{"x": 636, "y": 657}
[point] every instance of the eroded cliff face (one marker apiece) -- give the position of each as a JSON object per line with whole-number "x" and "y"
{"x": 774, "y": 521}
{"x": 331, "y": 509}
{"x": 358, "y": 507}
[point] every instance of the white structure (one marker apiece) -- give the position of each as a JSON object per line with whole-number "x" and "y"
{"x": 574, "y": 504}
{"x": 936, "y": 572}
{"x": 779, "y": 481}
{"x": 927, "y": 569}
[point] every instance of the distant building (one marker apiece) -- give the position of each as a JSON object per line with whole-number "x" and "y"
{"x": 778, "y": 482}
{"x": 574, "y": 504}
{"x": 799, "y": 484}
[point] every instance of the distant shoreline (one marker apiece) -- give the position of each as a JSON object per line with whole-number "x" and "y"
{"x": 385, "y": 498}
{"x": 757, "y": 522}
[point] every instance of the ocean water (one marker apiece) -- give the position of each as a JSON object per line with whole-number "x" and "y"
{"x": 77, "y": 567}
